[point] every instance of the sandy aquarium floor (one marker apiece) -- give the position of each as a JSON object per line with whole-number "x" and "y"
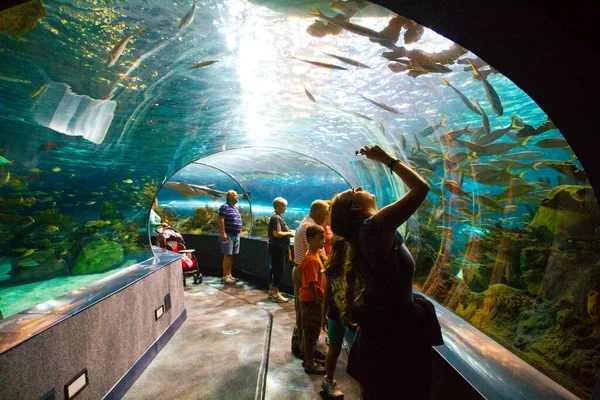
{"x": 232, "y": 337}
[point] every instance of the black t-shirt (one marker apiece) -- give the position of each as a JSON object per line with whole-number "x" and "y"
{"x": 276, "y": 223}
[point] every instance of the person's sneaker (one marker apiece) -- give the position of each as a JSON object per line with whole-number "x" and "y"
{"x": 228, "y": 281}
{"x": 236, "y": 280}
{"x": 332, "y": 388}
{"x": 270, "y": 296}
{"x": 278, "y": 298}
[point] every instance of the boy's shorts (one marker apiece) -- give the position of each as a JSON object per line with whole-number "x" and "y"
{"x": 336, "y": 332}
{"x": 311, "y": 320}
{"x": 231, "y": 245}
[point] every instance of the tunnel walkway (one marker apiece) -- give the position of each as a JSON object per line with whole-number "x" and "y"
{"x": 225, "y": 346}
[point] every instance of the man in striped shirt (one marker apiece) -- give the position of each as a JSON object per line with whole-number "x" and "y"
{"x": 319, "y": 211}
{"x": 230, "y": 222}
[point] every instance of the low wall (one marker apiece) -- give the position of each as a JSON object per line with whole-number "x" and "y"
{"x": 108, "y": 329}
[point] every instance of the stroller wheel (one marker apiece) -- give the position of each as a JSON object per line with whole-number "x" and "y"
{"x": 184, "y": 283}
{"x": 198, "y": 278}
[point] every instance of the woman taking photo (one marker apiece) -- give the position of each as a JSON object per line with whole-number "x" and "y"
{"x": 391, "y": 355}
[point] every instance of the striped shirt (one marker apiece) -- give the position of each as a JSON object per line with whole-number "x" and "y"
{"x": 232, "y": 218}
{"x": 300, "y": 242}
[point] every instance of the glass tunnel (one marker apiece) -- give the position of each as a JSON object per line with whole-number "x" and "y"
{"x": 105, "y": 105}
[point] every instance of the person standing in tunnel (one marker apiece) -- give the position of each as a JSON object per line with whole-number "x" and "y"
{"x": 230, "y": 223}
{"x": 391, "y": 355}
{"x": 279, "y": 247}
{"x": 318, "y": 214}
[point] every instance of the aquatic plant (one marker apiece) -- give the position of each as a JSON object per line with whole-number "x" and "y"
{"x": 260, "y": 227}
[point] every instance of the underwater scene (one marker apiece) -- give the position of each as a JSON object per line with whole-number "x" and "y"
{"x": 105, "y": 105}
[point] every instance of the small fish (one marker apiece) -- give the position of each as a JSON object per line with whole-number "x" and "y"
{"x": 189, "y": 17}
{"x": 510, "y": 209}
{"x": 4, "y": 177}
{"x": 523, "y": 130}
{"x": 29, "y": 252}
{"x": 430, "y": 129}
{"x": 454, "y": 188}
{"x": 382, "y": 105}
{"x": 35, "y": 170}
{"x": 38, "y": 91}
{"x": 118, "y": 49}
{"x": 484, "y": 118}
{"x": 348, "y": 61}
{"x": 493, "y": 136}
{"x": 490, "y": 92}
{"x": 321, "y": 64}
{"x": 462, "y": 97}
{"x": 553, "y": 143}
{"x": 4, "y": 161}
{"x": 525, "y": 155}
{"x": 203, "y": 64}
{"x": 50, "y": 146}
{"x": 127, "y": 181}
{"x": 20, "y": 250}
{"x": 56, "y": 169}
{"x": 310, "y": 96}
{"x": 89, "y": 203}
{"x": 52, "y": 228}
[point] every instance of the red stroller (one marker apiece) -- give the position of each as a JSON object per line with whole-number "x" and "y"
{"x": 168, "y": 238}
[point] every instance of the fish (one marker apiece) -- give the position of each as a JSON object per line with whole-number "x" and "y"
{"x": 56, "y": 169}
{"x": 523, "y": 130}
{"x": 35, "y": 170}
{"x": 4, "y": 177}
{"x": 553, "y": 143}
{"x": 4, "y": 161}
{"x": 37, "y": 92}
{"x": 52, "y": 228}
{"x": 497, "y": 177}
{"x": 128, "y": 181}
{"x": 424, "y": 62}
{"x": 29, "y": 252}
{"x": 453, "y": 135}
{"x": 517, "y": 189}
{"x": 490, "y": 92}
{"x": 350, "y": 27}
{"x": 454, "y": 188}
{"x": 203, "y": 64}
{"x": 348, "y": 61}
{"x": 484, "y": 119}
{"x": 89, "y": 203}
{"x": 382, "y": 105}
{"x": 525, "y": 155}
{"x": 97, "y": 223}
{"x": 188, "y": 18}
{"x": 514, "y": 164}
{"x": 462, "y": 97}
{"x": 486, "y": 201}
{"x": 493, "y": 136}
{"x": 511, "y": 208}
{"x": 310, "y": 96}
{"x": 118, "y": 49}
{"x": 321, "y": 64}
{"x": 50, "y": 146}
{"x": 430, "y": 129}
{"x": 456, "y": 157}
{"x": 544, "y": 127}
{"x": 494, "y": 149}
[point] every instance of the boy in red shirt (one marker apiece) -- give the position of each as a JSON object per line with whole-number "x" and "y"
{"x": 311, "y": 296}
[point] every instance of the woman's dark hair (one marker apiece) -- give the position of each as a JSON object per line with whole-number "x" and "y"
{"x": 346, "y": 222}
{"x": 337, "y": 258}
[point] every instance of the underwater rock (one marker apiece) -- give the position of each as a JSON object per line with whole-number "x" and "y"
{"x": 98, "y": 256}
{"x": 535, "y": 260}
{"x": 564, "y": 207}
{"x": 20, "y": 19}
{"x": 39, "y": 266}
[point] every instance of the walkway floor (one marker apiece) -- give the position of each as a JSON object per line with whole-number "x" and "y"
{"x": 224, "y": 347}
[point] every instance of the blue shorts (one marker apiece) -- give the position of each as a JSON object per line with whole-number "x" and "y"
{"x": 231, "y": 245}
{"x": 336, "y": 331}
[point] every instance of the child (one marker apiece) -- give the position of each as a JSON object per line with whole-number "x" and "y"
{"x": 311, "y": 296}
{"x": 333, "y": 301}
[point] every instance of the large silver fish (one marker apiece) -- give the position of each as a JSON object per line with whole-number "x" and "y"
{"x": 118, "y": 49}
{"x": 430, "y": 129}
{"x": 490, "y": 92}
{"x": 350, "y": 27}
{"x": 484, "y": 118}
{"x": 382, "y": 105}
{"x": 189, "y": 17}
{"x": 348, "y": 61}
{"x": 462, "y": 97}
